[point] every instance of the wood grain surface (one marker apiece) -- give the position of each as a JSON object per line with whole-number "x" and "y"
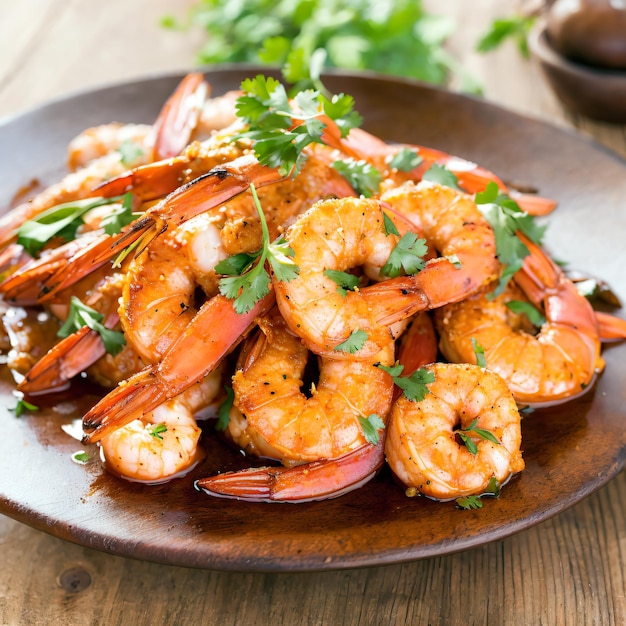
{"x": 567, "y": 570}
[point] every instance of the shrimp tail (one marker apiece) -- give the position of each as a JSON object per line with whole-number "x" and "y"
{"x": 319, "y": 480}
{"x": 611, "y": 327}
{"x": 67, "y": 358}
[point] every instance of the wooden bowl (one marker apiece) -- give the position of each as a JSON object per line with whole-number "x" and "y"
{"x": 591, "y": 91}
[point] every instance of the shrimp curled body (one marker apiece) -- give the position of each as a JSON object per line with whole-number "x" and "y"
{"x": 422, "y": 447}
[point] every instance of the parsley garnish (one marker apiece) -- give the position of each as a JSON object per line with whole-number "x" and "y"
{"x": 80, "y": 457}
{"x": 407, "y": 255}
{"x": 280, "y": 132}
{"x": 119, "y": 216}
{"x": 405, "y": 160}
{"x": 363, "y": 177}
{"x": 463, "y": 433}
{"x": 469, "y": 502}
{"x": 441, "y": 174}
{"x": 531, "y": 312}
{"x": 413, "y": 386}
{"x": 21, "y": 406}
{"x": 223, "y": 412}
{"x": 353, "y": 343}
{"x": 371, "y": 425}
{"x": 506, "y": 218}
{"x": 247, "y": 281}
{"x": 62, "y": 220}
{"x": 130, "y": 152}
{"x": 81, "y": 315}
{"x": 345, "y": 282}
{"x": 479, "y": 352}
{"x": 157, "y": 431}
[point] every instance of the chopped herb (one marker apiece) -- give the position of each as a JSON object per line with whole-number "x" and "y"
{"x": 247, "y": 281}
{"x": 506, "y": 218}
{"x": 81, "y": 315}
{"x": 493, "y": 488}
{"x": 407, "y": 255}
{"x": 130, "y": 152}
{"x": 405, "y": 160}
{"x": 413, "y": 386}
{"x": 80, "y": 457}
{"x": 345, "y": 282}
{"x": 479, "y": 352}
{"x": 389, "y": 226}
{"x": 464, "y": 434}
{"x": 371, "y": 425}
{"x": 119, "y": 216}
{"x": 280, "y": 132}
{"x": 22, "y": 406}
{"x": 469, "y": 502}
{"x": 531, "y": 312}
{"x": 223, "y": 412}
{"x": 353, "y": 343}
{"x": 157, "y": 431}
{"x": 454, "y": 259}
{"x": 61, "y": 221}
{"x": 364, "y": 178}
{"x": 515, "y": 27}
{"x": 441, "y": 174}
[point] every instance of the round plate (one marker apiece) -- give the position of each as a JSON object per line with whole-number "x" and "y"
{"x": 570, "y": 450}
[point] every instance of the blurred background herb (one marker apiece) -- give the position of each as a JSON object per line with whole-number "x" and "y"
{"x": 397, "y": 37}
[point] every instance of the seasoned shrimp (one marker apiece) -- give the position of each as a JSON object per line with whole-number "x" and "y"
{"x": 423, "y": 447}
{"x": 347, "y": 233}
{"x": 163, "y": 444}
{"x": 554, "y": 365}
{"x": 281, "y": 422}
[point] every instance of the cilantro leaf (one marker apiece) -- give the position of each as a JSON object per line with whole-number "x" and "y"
{"x": 364, "y": 178}
{"x": 441, "y": 174}
{"x": 464, "y": 434}
{"x": 62, "y": 220}
{"x": 407, "y": 255}
{"x": 389, "y": 226}
{"x": 21, "y": 406}
{"x": 81, "y": 315}
{"x": 157, "y": 431}
{"x": 479, "y": 352}
{"x": 119, "y": 216}
{"x": 130, "y": 152}
{"x": 223, "y": 412}
{"x": 531, "y": 312}
{"x": 247, "y": 280}
{"x": 506, "y": 218}
{"x": 405, "y": 159}
{"x": 468, "y": 502}
{"x": 413, "y": 386}
{"x": 345, "y": 282}
{"x": 371, "y": 425}
{"x": 353, "y": 343}
{"x": 80, "y": 457}
{"x": 515, "y": 27}
{"x": 279, "y": 132}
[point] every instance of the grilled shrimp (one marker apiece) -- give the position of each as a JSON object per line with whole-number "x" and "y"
{"x": 423, "y": 446}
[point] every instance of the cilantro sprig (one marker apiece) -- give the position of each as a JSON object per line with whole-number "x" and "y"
{"x": 223, "y": 412}
{"x": 407, "y": 256}
{"x": 371, "y": 425}
{"x": 353, "y": 343}
{"x": 479, "y": 353}
{"x": 345, "y": 281}
{"x": 157, "y": 431}
{"x": 414, "y": 386}
{"x": 533, "y": 314}
{"x": 64, "y": 220}
{"x": 405, "y": 159}
{"x": 440, "y": 174}
{"x": 80, "y": 315}
{"x": 22, "y": 406}
{"x": 506, "y": 219}
{"x": 364, "y": 178}
{"x": 279, "y": 131}
{"x": 475, "y": 501}
{"x": 246, "y": 280}
{"x": 465, "y": 434}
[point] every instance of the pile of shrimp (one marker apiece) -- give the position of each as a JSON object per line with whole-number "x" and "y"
{"x": 314, "y": 377}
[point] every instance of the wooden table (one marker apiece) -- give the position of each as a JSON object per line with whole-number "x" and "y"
{"x": 568, "y": 570}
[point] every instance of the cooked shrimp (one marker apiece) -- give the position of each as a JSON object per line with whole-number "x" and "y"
{"x": 281, "y": 422}
{"x": 163, "y": 444}
{"x": 557, "y": 363}
{"x": 423, "y": 449}
{"x": 347, "y": 233}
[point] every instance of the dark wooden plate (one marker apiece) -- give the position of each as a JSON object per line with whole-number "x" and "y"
{"x": 570, "y": 450}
